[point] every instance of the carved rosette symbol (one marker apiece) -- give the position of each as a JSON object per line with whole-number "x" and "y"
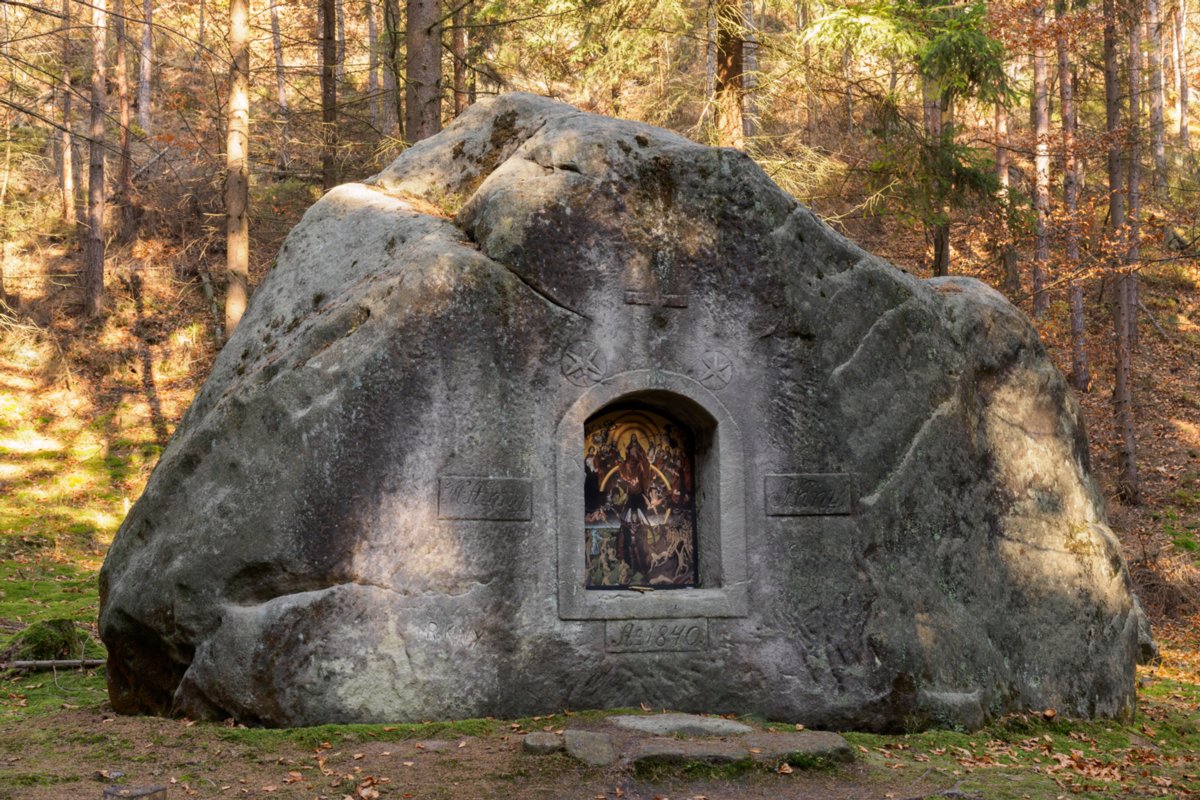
{"x": 583, "y": 364}
{"x": 714, "y": 370}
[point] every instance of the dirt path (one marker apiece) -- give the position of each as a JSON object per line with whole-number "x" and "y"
{"x": 77, "y": 752}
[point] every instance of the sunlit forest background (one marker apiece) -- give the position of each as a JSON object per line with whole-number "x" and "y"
{"x": 155, "y": 153}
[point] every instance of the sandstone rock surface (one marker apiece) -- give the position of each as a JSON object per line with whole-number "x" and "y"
{"x": 680, "y": 725}
{"x": 373, "y": 509}
{"x": 592, "y": 748}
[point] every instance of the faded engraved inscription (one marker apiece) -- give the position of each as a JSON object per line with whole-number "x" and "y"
{"x": 655, "y": 635}
{"x": 484, "y": 498}
{"x": 809, "y": 495}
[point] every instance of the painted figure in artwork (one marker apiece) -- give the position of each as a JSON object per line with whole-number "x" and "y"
{"x": 639, "y": 505}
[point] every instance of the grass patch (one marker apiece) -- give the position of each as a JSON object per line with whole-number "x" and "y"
{"x": 660, "y": 771}
{"x": 34, "y": 694}
{"x": 39, "y": 590}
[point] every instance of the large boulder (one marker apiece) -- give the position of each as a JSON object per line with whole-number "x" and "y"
{"x": 374, "y": 509}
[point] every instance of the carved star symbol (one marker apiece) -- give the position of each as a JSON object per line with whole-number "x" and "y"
{"x": 716, "y": 370}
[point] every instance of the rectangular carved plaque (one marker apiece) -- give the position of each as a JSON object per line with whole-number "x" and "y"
{"x": 499, "y": 499}
{"x": 655, "y": 635}
{"x": 810, "y": 495}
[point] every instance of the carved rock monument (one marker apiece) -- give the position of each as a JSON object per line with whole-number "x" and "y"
{"x": 566, "y": 411}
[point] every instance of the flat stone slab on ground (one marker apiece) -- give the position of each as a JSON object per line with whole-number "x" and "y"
{"x": 680, "y": 725}
{"x": 593, "y": 749}
{"x": 138, "y": 792}
{"x": 542, "y": 742}
{"x": 801, "y": 746}
{"x": 684, "y": 751}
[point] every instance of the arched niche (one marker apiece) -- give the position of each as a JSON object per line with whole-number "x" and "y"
{"x": 719, "y": 588}
{"x": 639, "y": 499}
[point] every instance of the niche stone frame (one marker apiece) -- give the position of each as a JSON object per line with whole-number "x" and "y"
{"x": 720, "y": 503}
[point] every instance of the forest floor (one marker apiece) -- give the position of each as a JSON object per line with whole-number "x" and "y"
{"x": 85, "y": 410}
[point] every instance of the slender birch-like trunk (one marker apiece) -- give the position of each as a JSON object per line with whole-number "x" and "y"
{"x": 810, "y": 94}
{"x": 237, "y": 167}
{"x": 373, "y": 67}
{"x": 750, "y": 75}
{"x": 67, "y": 174}
{"x": 393, "y": 113}
{"x": 1181, "y": 74}
{"x": 1134, "y": 183}
{"x": 5, "y": 51}
{"x": 459, "y": 46}
{"x": 934, "y": 113}
{"x": 710, "y": 62}
{"x": 280, "y": 87}
{"x": 199, "y": 37}
{"x": 93, "y": 257}
{"x": 1080, "y": 373}
{"x": 1041, "y": 161}
{"x": 1127, "y": 475}
{"x": 1008, "y": 253}
{"x": 123, "y": 163}
{"x": 145, "y": 62}
{"x": 341, "y": 43}
{"x": 328, "y": 94}
{"x": 1158, "y": 143}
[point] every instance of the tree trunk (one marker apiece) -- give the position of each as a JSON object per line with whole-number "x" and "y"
{"x": 144, "y": 64}
{"x": 1041, "y": 188}
{"x": 1134, "y": 185}
{"x": 810, "y": 94}
{"x": 199, "y": 37}
{"x": 280, "y": 88}
{"x": 731, "y": 128}
{"x": 341, "y": 43}
{"x": 93, "y": 259}
{"x": 1080, "y": 373}
{"x": 1127, "y": 477}
{"x": 237, "y": 167}
{"x": 393, "y": 114}
{"x": 373, "y": 67}
{"x": 710, "y": 64}
{"x": 933, "y": 113}
{"x": 5, "y": 236}
{"x": 1157, "y": 124}
{"x": 1181, "y": 74}
{"x": 423, "y": 76}
{"x": 328, "y": 94}
{"x": 123, "y": 165}
{"x": 67, "y": 175}
{"x": 847, "y": 94}
{"x": 459, "y": 46}
{"x": 1008, "y": 253}
{"x": 750, "y": 76}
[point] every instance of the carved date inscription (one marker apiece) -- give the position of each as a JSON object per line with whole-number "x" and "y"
{"x": 655, "y": 635}
{"x": 484, "y": 498}
{"x": 809, "y": 495}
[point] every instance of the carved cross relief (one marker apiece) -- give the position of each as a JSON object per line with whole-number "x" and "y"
{"x": 667, "y": 289}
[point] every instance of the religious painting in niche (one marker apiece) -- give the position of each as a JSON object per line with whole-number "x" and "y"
{"x": 639, "y": 501}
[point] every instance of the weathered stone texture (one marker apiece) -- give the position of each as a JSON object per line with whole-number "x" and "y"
{"x": 318, "y": 544}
